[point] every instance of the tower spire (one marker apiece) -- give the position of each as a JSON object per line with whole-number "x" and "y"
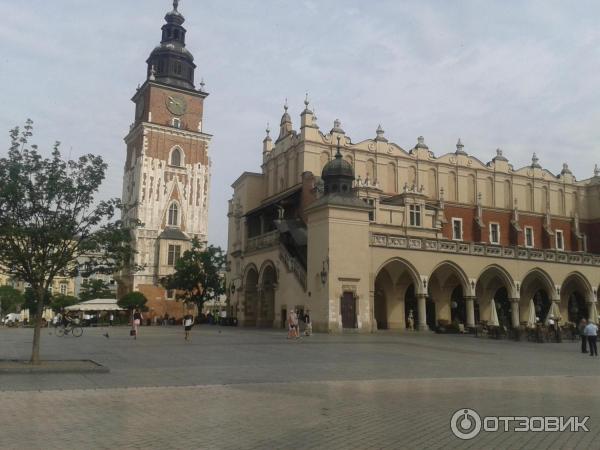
{"x": 175, "y": 5}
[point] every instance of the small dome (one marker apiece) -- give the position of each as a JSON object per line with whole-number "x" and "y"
{"x": 337, "y": 167}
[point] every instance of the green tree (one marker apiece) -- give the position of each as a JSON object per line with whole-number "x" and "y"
{"x": 133, "y": 300}
{"x": 50, "y": 220}
{"x": 91, "y": 289}
{"x": 60, "y": 301}
{"x": 10, "y": 300}
{"x": 198, "y": 274}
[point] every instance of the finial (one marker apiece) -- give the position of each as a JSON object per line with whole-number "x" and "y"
{"x": 421, "y": 140}
{"x": 268, "y": 130}
{"x": 285, "y": 105}
{"x": 337, "y": 124}
{"x": 565, "y": 169}
{"x": 152, "y": 73}
{"x": 202, "y": 84}
{"x": 460, "y": 148}
{"x": 535, "y": 160}
{"x": 338, "y": 154}
{"x": 498, "y": 152}
{"x": 175, "y": 5}
{"x": 421, "y": 143}
{"x": 596, "y": 171}
{"x": 306, "y": 102}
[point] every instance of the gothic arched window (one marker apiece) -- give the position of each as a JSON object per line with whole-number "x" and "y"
{"x": 173, "y": 215}
{"x": 176, "y": 157}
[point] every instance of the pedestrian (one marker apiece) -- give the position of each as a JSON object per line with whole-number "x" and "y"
{"x": 292, "y": 323}
{"x": 188, "y": 321}
{"x": 591, "y": 331}
{"x": 137, "y": 321}
{"x": 411, "y": 320}
{"x": 582, "y": 335}
{"x": 308, "y": 329}
{"x": 111, "y": 317}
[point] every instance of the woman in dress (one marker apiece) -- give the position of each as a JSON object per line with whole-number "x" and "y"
{"x": 137, "y": 321}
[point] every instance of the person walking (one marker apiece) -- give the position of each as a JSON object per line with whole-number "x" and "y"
{"x": 111, "y": 317}
{"x": 188, "y": 322}
{"x": 591, "y": 331}
{"x": 308, "y": 329}
{"x": 137, "y": 321}
{"x": 582, "y": 335}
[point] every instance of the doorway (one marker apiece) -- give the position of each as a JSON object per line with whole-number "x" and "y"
{"x": 348, "y": 309}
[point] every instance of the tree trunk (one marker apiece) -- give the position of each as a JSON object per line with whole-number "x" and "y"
{"x": 37, "y": 330}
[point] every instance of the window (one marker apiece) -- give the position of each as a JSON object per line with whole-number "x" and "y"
{"x": 457, "y": 232}
{"x": 170, "y": 294}
{"x": 173, "y": 215}
{"x": 494, "y": 233}
{"x": 560, "y": 243}
{"x": 415, "y": 215}
{"x": 173, "y": 255}
{"x": 176, "y": 157}
{"x": 176, "y": 122}
{"x": 529, "y": 237}
{"x": 370, "y": 202}
{"x": 63, "y": 288}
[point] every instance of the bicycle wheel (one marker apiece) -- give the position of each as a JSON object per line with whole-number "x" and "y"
{"x": 77, "y": 331}
{"x": 60, "y": 331}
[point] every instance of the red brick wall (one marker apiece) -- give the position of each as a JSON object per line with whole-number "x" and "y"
{"x": 468, "y": 217}
{"x": 592, "y": 231}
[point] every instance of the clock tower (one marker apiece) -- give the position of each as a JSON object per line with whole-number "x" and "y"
{"x": 167, "y": 167}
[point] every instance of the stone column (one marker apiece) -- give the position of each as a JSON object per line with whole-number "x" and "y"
{"x": 469, "y": 301}
{"x": 515, "y": 314}
{"x": 591, "y": 305}
{"x": 422, "y": 310}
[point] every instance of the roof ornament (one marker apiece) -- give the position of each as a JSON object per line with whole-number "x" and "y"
{"x": 596, "y": 170}
{"x": 460, "y": 148}
{"x": 338, "y": 154}
{"x": 535, "y": 161}
{"x": 306, "y": 101}
{"x": 421, "y": 143}
{"x": 565, "y": 169}
{"x": 268, "y": 130}
{"x": 380, "y": 134}
{"x": 152, "y": 73}
{"x": 202, "y": 84}
{"x": 285, "y": 105}
{"x": 175, "y": 5}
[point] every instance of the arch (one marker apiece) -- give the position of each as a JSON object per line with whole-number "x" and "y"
{"x": 575, "y": 275}
{"x": 395, "y": 286}
{"x": 494, "y": 282}
{"x": 507, "y": 195}
{"x": 173, "y": 214}
{"x": 488, "y": 192}
{"x": 501, "y": 273}
{"x": 452, "y": 180}
{"x": 538, "y": 286}
{"x": 432, "y": 189}
{"x": 408, "y": 266}
{"x": 391, "y": 178}
{"x": 176, "y": 156}
{"x": 324, "y": 159}
{"x": 455, "y": 268}
{"x": 471, "y": 189}
{"x": 575, "y": 293}
{"x": 544, "y": 202}
{"x": 266, "y": 296}
{"x": 247, "y": 273}
{"x": 263, "y": 267}
{"x": 370, "y": 167}
{"x": 529, "y": 197}
{"x": 561, "y": 202}
{"x": 543, "y": 275}
{"x": 349, "y": 160}
{"x": 412, "y": 176}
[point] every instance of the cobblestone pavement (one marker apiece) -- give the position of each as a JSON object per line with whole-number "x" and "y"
{"x": 246, "y": 389}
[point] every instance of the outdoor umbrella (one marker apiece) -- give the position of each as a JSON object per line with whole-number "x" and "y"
{"x": 531, "y": 315}
{"x": 493, "y": 315}
{"x": 554, "y": 312}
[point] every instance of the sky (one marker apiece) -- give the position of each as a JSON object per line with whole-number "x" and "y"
{"x": 522, "y": 76}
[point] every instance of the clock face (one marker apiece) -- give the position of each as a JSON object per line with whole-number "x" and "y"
{"x": 176, "y": 105}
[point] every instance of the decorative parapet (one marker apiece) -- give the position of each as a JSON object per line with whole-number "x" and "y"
{"x": 478, "y": 249}
{"x": 266, "y": 240}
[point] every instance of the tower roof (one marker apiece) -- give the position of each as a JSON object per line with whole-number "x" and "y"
{"x": 171, "y": 62}
{"x": 337, "y": 168}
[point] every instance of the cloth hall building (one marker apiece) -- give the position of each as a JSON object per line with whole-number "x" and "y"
{"x": 365, "y": 234}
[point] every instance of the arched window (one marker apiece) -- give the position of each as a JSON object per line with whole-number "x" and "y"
{"x": 173, "y": 215}
{"x": 176, "y": 157}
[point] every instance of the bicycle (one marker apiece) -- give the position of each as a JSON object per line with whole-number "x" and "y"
{"x": 63, "y": 330}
